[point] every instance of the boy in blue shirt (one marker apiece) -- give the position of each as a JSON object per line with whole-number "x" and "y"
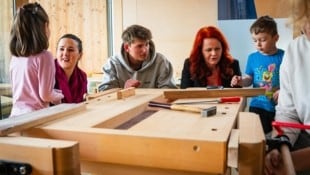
{"x": 262, "y": 70}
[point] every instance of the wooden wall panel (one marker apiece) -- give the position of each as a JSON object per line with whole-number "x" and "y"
{"x": 86, "y": 19}
{"x": 20, "y": 3}
{"x": 273, "y": 8}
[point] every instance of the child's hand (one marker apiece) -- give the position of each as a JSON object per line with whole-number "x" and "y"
{"x": 236, "y": 81}
{"x": 275, "y": 96}
{"x": 56, "y": 102}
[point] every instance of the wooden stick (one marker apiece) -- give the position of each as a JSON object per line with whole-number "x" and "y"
{"x": 287, "y": 160}
{"x": 25, "y": 121}
{"x": 213, "y": 93}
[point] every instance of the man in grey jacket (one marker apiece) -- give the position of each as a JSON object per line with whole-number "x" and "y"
{"x": 138, "y": 65}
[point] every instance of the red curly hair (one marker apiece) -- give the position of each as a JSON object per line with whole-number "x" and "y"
{"x": 198, "y": 67}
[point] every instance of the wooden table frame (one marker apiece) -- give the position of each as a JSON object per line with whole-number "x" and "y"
{"x": 164, "y": 142}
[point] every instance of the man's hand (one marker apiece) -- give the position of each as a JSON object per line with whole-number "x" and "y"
{"x": 132, "y": 83}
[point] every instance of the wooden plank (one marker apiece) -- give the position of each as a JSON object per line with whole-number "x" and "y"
{"x": 212, "y": 93}
{"x": 251, "y": 144}
{"x": 46, "y": 156}
{"x": 233, "y": 146}
{"x": 32, "y": 119}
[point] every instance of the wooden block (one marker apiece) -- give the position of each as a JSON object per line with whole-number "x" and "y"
{"x": 251, "y": 144}
{"x": 124, "y": 93}
{"x": 233, "y": 146}
{"x": 25, "y": 121}
{"x": 100, "y": 94}
{"x": 46, "y": 156}
{"x": 212, "y": 93}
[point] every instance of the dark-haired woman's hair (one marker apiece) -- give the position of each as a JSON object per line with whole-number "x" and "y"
{"x": 75, "y": 38}
{"x": 28, "y": 33}
{"x": 198, "y": 68}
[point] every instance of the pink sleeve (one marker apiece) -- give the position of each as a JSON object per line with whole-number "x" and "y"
{"x": 46, "y": 77}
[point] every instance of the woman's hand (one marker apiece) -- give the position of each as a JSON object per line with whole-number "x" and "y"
{"x": 236, "y": 81}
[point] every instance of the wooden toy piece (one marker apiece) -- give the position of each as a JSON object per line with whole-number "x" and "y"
{"x": 124, "y": 93}
{"x": 102, "y": 93}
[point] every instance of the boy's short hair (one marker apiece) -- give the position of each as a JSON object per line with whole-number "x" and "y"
{"x": 264, "y": 24}
{"x": 136, "y": 32}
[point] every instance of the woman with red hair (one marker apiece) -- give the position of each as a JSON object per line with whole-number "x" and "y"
{"x": 210, "y": 63}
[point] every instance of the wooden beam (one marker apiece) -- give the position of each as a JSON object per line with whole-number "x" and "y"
{"x": 212, "y": 93}
{"x": 32, "y": 119}
{"x": 251, "y": 144}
